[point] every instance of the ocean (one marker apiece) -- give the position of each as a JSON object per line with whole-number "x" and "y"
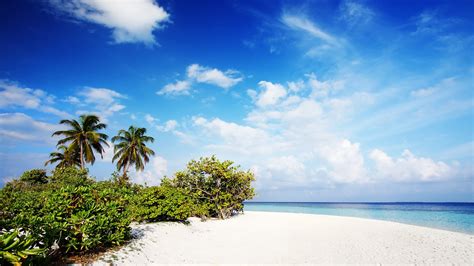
{"x": 458, "y": 217}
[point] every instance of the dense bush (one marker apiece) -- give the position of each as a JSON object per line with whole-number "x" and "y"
{"x": 70, "y": 176}
{"x": 163, "y": 203}
{"x": 34, "y": 176}
{"x": 218, "y": 188}
{"x": 79, "y": 216}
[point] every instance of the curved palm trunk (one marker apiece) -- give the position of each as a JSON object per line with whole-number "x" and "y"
{"x": 125, "y": 170}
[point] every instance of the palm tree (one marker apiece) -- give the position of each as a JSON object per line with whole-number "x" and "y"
{"x": 66, "y": 157}
{"x": 84, "y": 137}
{"x": 131, "y": 148}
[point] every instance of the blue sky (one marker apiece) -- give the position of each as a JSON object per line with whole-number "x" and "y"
{"x": 323, "y": 100}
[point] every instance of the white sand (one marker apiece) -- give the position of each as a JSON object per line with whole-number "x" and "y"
{"x": 285, "y": 238}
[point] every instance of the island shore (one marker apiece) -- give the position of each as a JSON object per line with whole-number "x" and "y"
{"x": 288, "y": 238}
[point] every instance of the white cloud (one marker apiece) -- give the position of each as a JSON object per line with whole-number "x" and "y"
{"x": 21, "y": 127}
{"x": 154, "y": 171}
{"x": 408, "y": 167}
{"x": 129, "y": 20}
{"x": 100, "y": 101}
{"x": 100, "y": 95}
{"x": 12, "y": 95}
{"x": 345, "y": 161}
{"x": 355, "y": 13}
{"x": 296, "y": 86}
{"x": 239, "y": 138}
{"x": 213, "y": 76}
{"x": 298, "y": 22}
{"x": 108, "y": 154}
{"x": 297, "y": 140}
{"x": 150, "y": 119}
{"x": 180, "y": 87}
{"x": 271, "y": 93}
{"x": 422, "y": 92}
{"x": 201, "y": 74}
{"x": 169, "y": 125}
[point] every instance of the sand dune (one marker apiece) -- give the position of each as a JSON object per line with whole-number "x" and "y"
{"x": 286, "y": 238}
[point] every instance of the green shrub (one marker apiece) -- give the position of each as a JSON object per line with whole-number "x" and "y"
{"x": 71, "y": 176}
{"x": 218, "y": 188}
{"x": 34, "y": 176}
{"x": 162, "y": 203}
{"x": 18, "y": 247}
{"x": 71, "y": 218}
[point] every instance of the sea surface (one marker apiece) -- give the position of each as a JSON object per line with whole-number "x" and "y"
{"x": 457, "y": 217}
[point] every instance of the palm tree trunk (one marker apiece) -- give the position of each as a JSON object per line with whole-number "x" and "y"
{"x": 82, "y": 156}
{"x": 125, "y": 170}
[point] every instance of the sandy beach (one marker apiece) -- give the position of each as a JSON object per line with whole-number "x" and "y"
{"x": 287, "y": 238}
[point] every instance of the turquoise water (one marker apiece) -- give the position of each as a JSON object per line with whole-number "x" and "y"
{"x": 457, "y": 217}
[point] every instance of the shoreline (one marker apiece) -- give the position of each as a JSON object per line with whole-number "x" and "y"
{"x": 291, "y": 238}
{"x": 371, "y": 219}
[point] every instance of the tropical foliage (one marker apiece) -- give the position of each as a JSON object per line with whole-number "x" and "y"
{"x": 34, "y": 176}
{"x": 84, "y": 136}
{"x": 161, "y": 203}
{"x": 74, "y": 214}
{"x": 64, "y": 157}
{"x": 219, "y": 188}
{"x": 131, "y": 149}
{"x": 17, "y": 247}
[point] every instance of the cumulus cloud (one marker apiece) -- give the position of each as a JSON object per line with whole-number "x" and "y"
{"x": 154, "y": 171}
{"x": 169, "y": 125}
{"x": 409, "y": 167}
{"x": 130, "y": 20}
{"x": 100, "y": 101}
{"x": 345, "y": 161}
{"x": 289, "y": 139}
{"x": 202, "y": 74}
{"x": 213, "y": 76}
{"x": 270, "y": 93}
{"x": 323, "y": 88}
{"x": 13, "y": 95}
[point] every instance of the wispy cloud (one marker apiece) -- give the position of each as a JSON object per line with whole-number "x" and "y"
{"x": 13, "y": 95}
{"x": 301, "y": 23}
{"x": 355, "y": 14}
{"x": 21, "y": 127}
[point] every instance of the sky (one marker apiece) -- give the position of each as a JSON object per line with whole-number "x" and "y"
{"x": 322, "y": 100}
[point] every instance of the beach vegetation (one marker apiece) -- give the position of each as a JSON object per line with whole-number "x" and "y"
{"x": 161, "y": 203}
{"x": 34, "y": 176}
{"x": 219, "y": 188}
{"x": 18, "y": 246}
{"x": 68, "y": 217}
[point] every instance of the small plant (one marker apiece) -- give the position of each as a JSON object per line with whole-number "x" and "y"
{"x": 18, "y": 246}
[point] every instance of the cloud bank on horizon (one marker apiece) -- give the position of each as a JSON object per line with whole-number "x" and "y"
{"x": 346, "y": 101}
